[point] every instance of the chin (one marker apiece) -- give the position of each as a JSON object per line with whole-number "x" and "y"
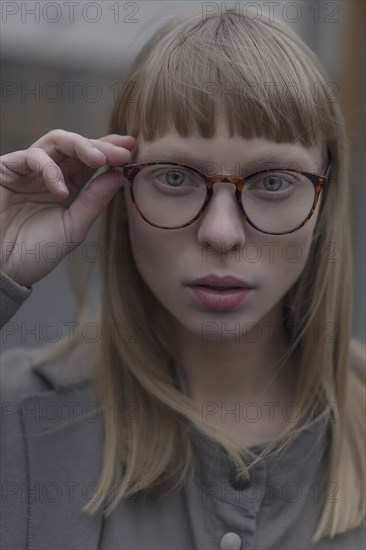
{"x": 211, "y": 326}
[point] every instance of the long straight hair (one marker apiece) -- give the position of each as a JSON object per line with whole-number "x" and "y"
{"x": 273, "y": 87}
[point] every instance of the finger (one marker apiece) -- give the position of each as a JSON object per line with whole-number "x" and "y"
{"x": 126, "y": 141}
{"x": 115, "y": 155}
{"x": 114, "y": 143}
{"x": 116, "y": 149}
{"x": 79, "y": 147}
{"x": 63, "y": 146}
{"x": 59, "y": 144}
{"x": 47, "y": 170}
{"x": 32, "y": 163}
{"x": 89, "y": 204}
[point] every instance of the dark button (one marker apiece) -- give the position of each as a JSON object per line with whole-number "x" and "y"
{"x": 239, "y": 484}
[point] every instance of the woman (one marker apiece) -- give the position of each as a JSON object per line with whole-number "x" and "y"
{"x": 242, "y": 408}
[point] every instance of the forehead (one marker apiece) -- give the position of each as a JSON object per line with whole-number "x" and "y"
{"x": 224, "y": 149}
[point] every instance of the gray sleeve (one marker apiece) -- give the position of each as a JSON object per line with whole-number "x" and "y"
{"x": 12, "y": 295}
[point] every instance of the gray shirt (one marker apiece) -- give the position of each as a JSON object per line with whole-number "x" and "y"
{"x": 51, "y": 456}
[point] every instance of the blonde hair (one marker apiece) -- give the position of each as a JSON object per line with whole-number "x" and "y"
{"x": 178, "y": 78}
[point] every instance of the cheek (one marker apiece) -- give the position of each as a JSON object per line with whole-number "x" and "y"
{"x": 153, "y": 251}
{"x": 143, "y": 243}
{"x": 140, "y": 233}
{"x": 285, "y": 257}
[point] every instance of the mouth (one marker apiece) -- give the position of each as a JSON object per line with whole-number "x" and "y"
{"x": 221, "y": 288}
{"x": 220, "y": 283}
{"x": 220, "y": 298}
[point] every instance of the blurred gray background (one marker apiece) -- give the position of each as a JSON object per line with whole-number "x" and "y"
{"x": 63, "y": 63}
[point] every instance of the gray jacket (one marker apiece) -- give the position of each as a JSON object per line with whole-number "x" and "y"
{"x": 51, "y": 455}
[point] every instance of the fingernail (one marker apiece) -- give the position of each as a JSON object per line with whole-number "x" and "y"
{"x": 62, "y": 186}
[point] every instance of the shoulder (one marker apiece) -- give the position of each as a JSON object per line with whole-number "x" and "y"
{"x": 27, "y": 371}
{"x": 18, "y": 377}
{"x": 28, "y": 385}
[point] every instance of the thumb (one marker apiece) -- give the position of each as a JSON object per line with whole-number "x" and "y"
{"x": 90, "y": 202}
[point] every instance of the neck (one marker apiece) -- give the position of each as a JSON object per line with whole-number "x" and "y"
{"x": 245, "y": 384}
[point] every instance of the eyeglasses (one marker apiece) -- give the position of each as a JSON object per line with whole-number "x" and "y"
{"x": 275, "y": 201}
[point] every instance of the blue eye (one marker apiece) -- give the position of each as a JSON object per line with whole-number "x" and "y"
{"x": 176, "y": 178}
{"x": 274, "y": 182}
{"x": 172, "y": 179}
{"x": 273, "y": 186}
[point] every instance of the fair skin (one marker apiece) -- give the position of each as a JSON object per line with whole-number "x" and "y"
{"x": 224, "y": 373}
{"x": 35, "y": 210}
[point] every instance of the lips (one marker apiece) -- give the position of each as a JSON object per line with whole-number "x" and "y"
{"x": 221, "y": 282}
{"x": 220, "y": 300}
{"x": 220, "y": 287}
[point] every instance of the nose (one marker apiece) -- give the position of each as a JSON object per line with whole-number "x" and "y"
{"x": 222, "y": 224}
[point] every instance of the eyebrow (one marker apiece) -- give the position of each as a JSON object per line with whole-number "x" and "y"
{"x": 191, "y": 159}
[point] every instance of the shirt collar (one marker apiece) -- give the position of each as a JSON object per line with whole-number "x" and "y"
{"x": 296, "y": 467}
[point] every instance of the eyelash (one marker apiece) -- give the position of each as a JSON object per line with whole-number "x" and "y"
{"x": 258, "y": 167}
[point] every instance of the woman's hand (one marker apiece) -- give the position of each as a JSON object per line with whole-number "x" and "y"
{"x": 42, "y": 199}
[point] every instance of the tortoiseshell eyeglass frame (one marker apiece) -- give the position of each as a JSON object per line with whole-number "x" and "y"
{"x": 319, "y": 182}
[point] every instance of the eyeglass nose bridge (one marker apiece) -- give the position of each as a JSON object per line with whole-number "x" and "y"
{"x": 234, "y": 180}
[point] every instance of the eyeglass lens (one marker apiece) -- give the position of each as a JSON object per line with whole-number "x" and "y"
{"x": 274, "y": 201}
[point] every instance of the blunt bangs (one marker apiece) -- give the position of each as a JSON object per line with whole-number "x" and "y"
{"x": 266, "y": 86}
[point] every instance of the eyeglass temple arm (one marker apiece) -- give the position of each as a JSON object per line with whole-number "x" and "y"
{"x": 329, "y": 165}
